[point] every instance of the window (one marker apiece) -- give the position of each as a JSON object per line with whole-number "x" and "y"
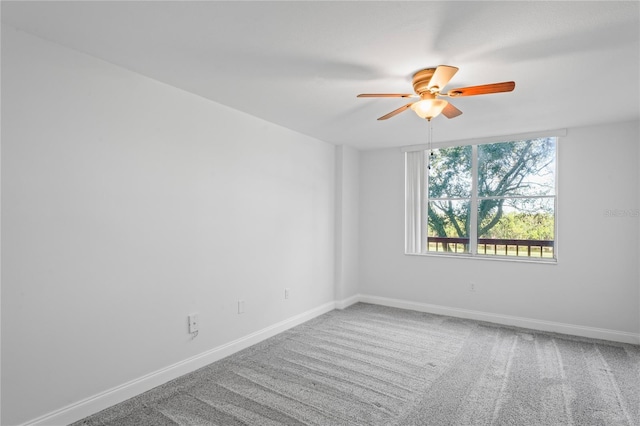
{"x": 489, "y": 200}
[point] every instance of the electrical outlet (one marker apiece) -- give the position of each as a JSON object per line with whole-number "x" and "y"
{"x": 286, "y": 293}
{"x": 472, "y": 286}
{"x": 193, "y": 323}
{"x": 240, "y": 306}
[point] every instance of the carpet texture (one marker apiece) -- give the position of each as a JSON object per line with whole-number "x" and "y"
{"x": 374, "y": 365}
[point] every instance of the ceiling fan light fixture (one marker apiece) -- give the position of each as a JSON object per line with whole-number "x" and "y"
{"x": 428, "y": 84}
{"x": 429, "y": 108}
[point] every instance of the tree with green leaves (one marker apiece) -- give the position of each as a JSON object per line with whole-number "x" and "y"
{"x": 513, "y": 180}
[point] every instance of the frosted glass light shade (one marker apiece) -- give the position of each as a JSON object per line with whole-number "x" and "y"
{"x": 429, "y": 108}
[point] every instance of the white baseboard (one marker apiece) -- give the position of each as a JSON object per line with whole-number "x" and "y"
{"x": 555, "y": 327}
{"x": 91, "y": 405}
{"x": 345, "y": 303}
{"x": 99, "y": 402}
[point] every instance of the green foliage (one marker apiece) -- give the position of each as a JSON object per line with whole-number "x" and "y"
{"x": 516, "y": 168}
{"x": 508, "y": 169}
{"x": 523, "y": 226}
{"x": 450, "y": 172}
{"x": 449, "y": 218}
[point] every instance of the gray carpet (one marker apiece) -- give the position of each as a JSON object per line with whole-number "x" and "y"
{"x": 374, "y": 365}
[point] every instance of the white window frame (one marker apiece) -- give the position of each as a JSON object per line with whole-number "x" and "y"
{"x": 417, "y": 197}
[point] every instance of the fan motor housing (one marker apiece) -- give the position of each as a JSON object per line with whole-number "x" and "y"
{"x": 421, "y": 80}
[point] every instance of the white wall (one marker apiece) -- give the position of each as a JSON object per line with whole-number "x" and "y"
{"x": 592, "y": 285}
{"x": 347, "y": 217}
{"x": 128, "y": 204}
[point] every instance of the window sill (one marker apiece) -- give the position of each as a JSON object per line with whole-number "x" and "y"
{"x": 489, "y": 258}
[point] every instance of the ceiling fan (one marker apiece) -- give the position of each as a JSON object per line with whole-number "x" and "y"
{"x": 428, "y": 85}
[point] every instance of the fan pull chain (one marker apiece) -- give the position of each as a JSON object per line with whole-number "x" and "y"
{"x": 430, "y": 143}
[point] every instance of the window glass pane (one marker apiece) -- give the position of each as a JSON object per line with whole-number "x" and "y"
{"x": 517, "y": 168}
{"x": 516, "y": 227}
{"x": 450, "y": 172}
{"x": 512, "y": 188}
{"x": 448, "y": 226}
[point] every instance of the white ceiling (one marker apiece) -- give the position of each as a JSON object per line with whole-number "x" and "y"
{"x": 301, "y": 64}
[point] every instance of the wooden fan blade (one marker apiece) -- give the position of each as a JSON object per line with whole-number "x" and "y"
{"x": 396, "y": 111}
{"x": 450, "y": 111}
{"x": 441, "y": 76}
{"x": 387, "y": 95}
{"x": 484, "y": 89}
